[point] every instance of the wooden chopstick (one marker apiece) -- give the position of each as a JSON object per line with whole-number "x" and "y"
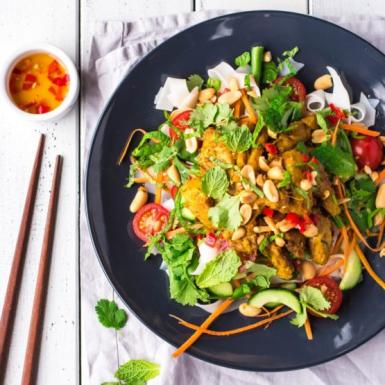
{"x": 13, "y": 288}
{"x": 35, "y": 328}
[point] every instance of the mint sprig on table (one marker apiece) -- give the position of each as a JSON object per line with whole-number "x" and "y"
{"x": 135, "y": 372}
{"x": 110, "y": 315}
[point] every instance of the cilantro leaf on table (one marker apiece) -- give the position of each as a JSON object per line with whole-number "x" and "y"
{"x": 243, "y": 59}
{"x": 221, "y": 269}
{"x": 276, "y": 108}
{"x": 194, "y": 81}
{"x": 110, "y": 315}
{"x": 214, "y": 83}
{"x": 137, "y": 372}
{"x": 287, "y": 61}
{"x": 226, "y": 215}
{"x": 237, "y": 139}
{"x": 215, "y": 183}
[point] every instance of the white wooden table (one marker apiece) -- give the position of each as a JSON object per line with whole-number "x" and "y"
{"x": 68, "y": 24}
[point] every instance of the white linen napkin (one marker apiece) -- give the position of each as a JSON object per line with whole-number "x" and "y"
{"x": 115, "y": 47}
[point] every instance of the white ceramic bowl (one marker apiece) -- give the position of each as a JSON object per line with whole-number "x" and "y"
{"x": 63, "y": 58}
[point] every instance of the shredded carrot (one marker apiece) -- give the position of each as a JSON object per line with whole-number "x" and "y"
{"x": 249, "y": 108}
{"x": 237, "y": 108}
{"x": 158, "y": 189}
{"x": 381, "y": 177}
{"x": 308, "y": 331}
{"x": 182, "y": 230}
{"x": 234, "y": 331}
{"x": 335, "y": 133}
{"x": 368, "y": 268}
{"x": 381, "y": 233}
{"x": 359, "y": 128}
{"x": 141, "y": 180}
{"x": 201, "y": 329}
{"x": 332, "y": 268}
{"x": 352, "y": 223}
{"x": 348, "y": 250}
{"x": 337, "y": 244}
{"x": 127, "y": 144}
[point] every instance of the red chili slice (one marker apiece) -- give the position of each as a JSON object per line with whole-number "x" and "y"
{"x": 180, "y": 121}
{"x": 53, "y": 67}
{"x": 271, "y": 148}
{"x": 267, "y": 211}
{"x": 174, "y": 191}
{"x": 42, "y": 109}
{"x": 330, "y": 290}
{"x": 30, "y": 78}
{"x": 211, "y": 239}
{"x": 149, "y": 220}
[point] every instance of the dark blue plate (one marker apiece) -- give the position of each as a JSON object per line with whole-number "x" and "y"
{"x": 140, "y": 284}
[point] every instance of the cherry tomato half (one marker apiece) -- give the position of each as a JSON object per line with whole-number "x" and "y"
{"x": 149, "y": 220}
{"x": 330, "y": 290}
{"x": 368, "y": 152}
{"x": 181, "y": 122}
{"x": 299, "y": 90}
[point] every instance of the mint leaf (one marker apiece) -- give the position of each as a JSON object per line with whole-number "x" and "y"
{"x": 224, "y": 114}
{"x": 225, "y": 215}
{"x": 237, "y": 139}
{"x": 203, "y": 117}
{"x": 221, "y": 269}
{"x": 135, "y": 372}
{"x": 194, "y": 81}
{"x": 243, "y": 59}
{"x": 215, "y": 183}
{"x": 214, "y": 83}
{"x": 263, "y": 274}
{"x": 110, "y": 315}
{"x": 313, "y": 297}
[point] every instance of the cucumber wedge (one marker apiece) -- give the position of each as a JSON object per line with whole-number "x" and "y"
{"x": 187, "y": 214}
{"x": 222, "y": 290}
{"x": 280, "y": 296}
{"x": 353, "y": 272}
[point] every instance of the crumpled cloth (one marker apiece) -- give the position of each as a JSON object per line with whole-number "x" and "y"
{"x": 115, "y": 47}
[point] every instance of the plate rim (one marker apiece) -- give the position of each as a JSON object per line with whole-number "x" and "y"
{"x": 91, "y": 230}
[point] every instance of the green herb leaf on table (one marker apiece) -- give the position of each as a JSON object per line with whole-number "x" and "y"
{"x": 226, "y": 215}
{"x": 243, "y": 59}
{"x": 137, "y": 372}
{"x": 214, "y": 83}
{"x": 110, "y": 315}
{"x": 288, "y": 55}
{"x": 215, "y": 183}
{"x": 221, "y": 269}
{"x": 194, "y": 81}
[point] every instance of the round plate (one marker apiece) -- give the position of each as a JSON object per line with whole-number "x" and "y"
{"x": 140, "y": 284}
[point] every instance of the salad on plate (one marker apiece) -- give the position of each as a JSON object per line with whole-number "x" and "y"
{"x": 259, "y": 195}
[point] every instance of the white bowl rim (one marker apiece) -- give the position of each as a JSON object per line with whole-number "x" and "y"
{"x": 25, "y": 50}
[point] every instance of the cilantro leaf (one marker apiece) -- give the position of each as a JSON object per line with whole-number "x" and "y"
{"x": 243, "y": 59}
{"x": 137, "y": 372}
{"x": 224, "y": 114}
{"x": 313, "y": 297}
{"x": 226, "y": 215}
{"x": 322, "y": 122}
{"x": 242, "y": 290}
{"x": 288, "y": 61}
{"x": 300, "y": 318}
{"x": 131, "y": 175}
{"x": 110, "y": 315}
{"x": 215, "y": 183}
{"x": 237, "y": 139}
{"x": 276, "y": 108}
{"x": 269, "y": 72}
{"x": 203, "y": 117}
{"x": 194, "y": 81}
{"x": 221, "y": 269}
{"x": 162, "y": 159}
{"x": 214, "y": 83}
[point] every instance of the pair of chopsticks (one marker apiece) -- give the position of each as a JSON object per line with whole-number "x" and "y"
{"x": 13, "y": 288}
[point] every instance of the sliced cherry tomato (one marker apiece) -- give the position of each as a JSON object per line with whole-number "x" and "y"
{"x": 268, "y": 212}
{"x": 330, "y": 290}
{"x": 181, "y": 122}
{"x": 211, "y": 239}
{"x": 149, "y": 220}
{"x": 271, "y": 148}
{"x": 173, "y": 191}
{"x": 368, "y": 152}
{"x": 299, "y": 90}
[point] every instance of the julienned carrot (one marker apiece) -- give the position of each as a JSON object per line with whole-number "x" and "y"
{"x": 127, "y": 144}
{"x": 352, "y": 223}
{"x": 332, "y": 268}
{"x": 141, "y": 180}
{"x": 158, "y": 189}
{"x": 381, "y": 233}
{"x": 181, "y": 230}
{"x": 249, "y": 108}
{"x": 237, "y": 108}
{"x": 381, "y": 177}
{"x": 337, "y": 244}
{"x": 237, "y": 330}
{"x": 201, "y": 329}
{"x": 360, "y": 129}
{"x": 368, "y": 268}
{"x": 335, "y": 133}
{"x": 308, "y": 331}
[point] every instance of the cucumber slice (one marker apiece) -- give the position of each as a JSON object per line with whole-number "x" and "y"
{"x": 353, "y": 272}
{"x": 222, "y": 290}
{"x": 271, "y": 305}
{"x": 280, "y": 296}
{"x": 187, "y": 214}
{"x": 289, "y": 286}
